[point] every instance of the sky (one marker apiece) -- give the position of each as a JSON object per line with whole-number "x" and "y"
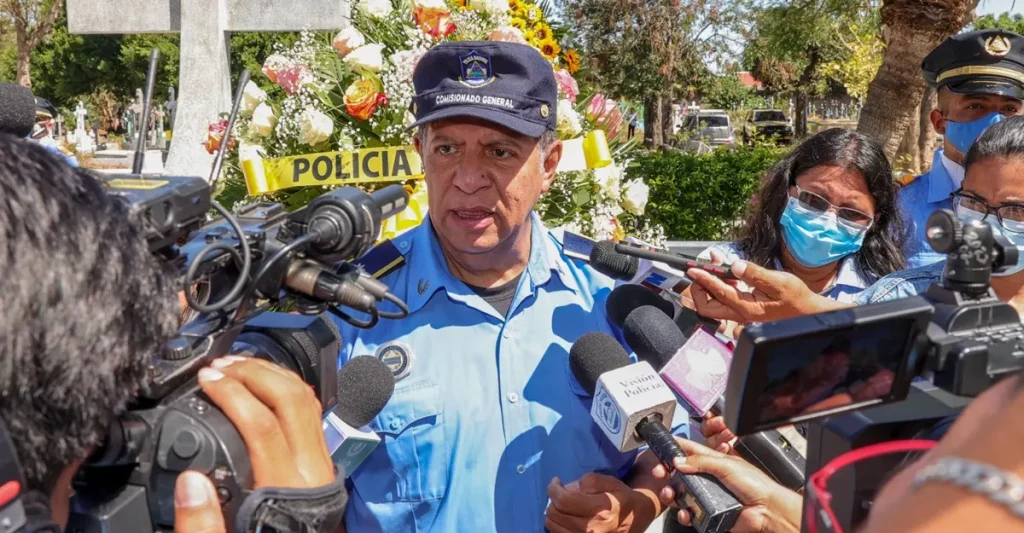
{"x": 995, "y": 7}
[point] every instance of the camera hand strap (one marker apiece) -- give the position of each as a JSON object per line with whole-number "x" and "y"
{"x": 316, "y": 510}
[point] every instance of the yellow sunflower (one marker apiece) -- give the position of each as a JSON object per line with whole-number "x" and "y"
{"x": 549, "y": 48}
{"x": 530, "y": 38}
{"x": 533, "y": 14}
{"x": 518, "y": 24}
{"x": 542, "y": 31}
{"x": 572, "y": 61}
{"x": 513, "y": 6}
{"x": 462, "y": 3}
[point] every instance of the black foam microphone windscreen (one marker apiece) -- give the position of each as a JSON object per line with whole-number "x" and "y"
{"x": 17, "y": 110}
{"x": 365, "y": 385}
{"x": 624, "y": 299}
{"x": 607, "y": 261}
{"x": 653, "y": 336}
{"x": 594, "y": 354}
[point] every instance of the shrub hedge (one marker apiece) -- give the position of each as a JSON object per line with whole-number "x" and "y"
{"x": 701, "y": 197}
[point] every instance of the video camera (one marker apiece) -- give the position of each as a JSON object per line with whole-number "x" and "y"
{"x": 900, "y": 367}
{"x": 234, "y": 269}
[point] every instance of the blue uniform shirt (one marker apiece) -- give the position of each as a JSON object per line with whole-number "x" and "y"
{"x": 917, "y": 201}
{"x": 485, "y": 411}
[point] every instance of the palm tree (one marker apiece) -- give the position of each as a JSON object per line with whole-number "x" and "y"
{"x": 911, "y": 29}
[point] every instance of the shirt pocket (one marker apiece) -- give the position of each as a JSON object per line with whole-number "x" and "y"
{"x": 594, "y": 452}
{"x": 411, "y": 462}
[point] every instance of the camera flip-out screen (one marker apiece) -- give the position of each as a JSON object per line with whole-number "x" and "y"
{"x": 818, "y": 365}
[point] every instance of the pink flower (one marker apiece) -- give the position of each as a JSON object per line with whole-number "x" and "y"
{"x": 292, "y": 78}
{"x": 596, "y": 107}
{"x": 567, "y": 85}
{"x": 507, "y": 34}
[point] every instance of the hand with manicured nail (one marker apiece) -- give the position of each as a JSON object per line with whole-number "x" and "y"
{"x": 278, "y": 416}
{"x": 716, "y": 435}
{"x": 767, "y": 506}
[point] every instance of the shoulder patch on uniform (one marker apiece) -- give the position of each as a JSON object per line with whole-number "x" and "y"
{"x": 576, "y": 246}
{"x": 905, "y": 179}
{"x": 381, "y": 259}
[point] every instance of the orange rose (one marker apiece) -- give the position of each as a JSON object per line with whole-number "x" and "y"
{"x": 361, "y": 98}
{"x": 433, "y": 18}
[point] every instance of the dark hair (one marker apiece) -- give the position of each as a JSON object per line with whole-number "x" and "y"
{"x": 761, "y": 238}
{"x": 84, "y": 305}
{"x": 1003, "y": 139}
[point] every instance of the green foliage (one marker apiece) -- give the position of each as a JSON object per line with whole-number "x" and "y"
{"x": 1005, "y": 21}
{"x": 701, "y": 197}
{"x": 726, "y": 92}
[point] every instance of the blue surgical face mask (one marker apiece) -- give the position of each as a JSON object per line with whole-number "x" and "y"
{"x": 1017, "y": 239}
{"x": 817, "y": 239}
{"x": 963, "y": 134}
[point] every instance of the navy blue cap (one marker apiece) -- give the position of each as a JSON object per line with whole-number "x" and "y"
{"x": 978, "y": 62}
{"x": 506, "y": 83}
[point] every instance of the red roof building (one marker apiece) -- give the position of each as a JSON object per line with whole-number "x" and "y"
{"x": 749, "y": 80}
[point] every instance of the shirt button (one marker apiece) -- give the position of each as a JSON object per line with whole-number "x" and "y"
{"x": 395, "y": 423}
{"x": 521, "y": 469}
{"x": 505, "y": 334}
{"x": 403, "y": 245}
{"x": 513, "y": 397}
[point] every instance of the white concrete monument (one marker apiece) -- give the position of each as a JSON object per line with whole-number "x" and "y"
{"x": 83, "y": 141}
{"x": 204, "y": 86}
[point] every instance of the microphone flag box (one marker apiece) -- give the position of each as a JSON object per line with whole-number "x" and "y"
{"x": 627, "y": 395}
{"x": 349, "y": 446}
{"x": 699, "y": 371}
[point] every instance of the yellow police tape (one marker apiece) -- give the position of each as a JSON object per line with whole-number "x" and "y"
{"x": 382, "y": 165}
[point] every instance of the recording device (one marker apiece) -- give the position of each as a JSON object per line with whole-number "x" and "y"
{"x": 695, "y": 367}
{"x": 234, "y": 270}
{"x": 17, "y": 110}
{"x": 630, "y": 405}
{"x": 674, "y": 260}
{"x": 364, "y": 387}
{"x": 657, "y": 277}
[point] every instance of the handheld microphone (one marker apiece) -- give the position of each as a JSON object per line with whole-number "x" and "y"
{"x": 229, "y": 130}
{"x": 626, "y": 298}
{"x": 17, "y": 110}
{"x": 653, "y": 275}
{"x": 673, "y": 260}
{"x": 630, "y": 404}
{"x": 364, "y": 387}
{"x": 696, "y": 368}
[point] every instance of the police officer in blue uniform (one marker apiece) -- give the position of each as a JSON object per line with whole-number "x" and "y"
{"x": 980, "y": 79}
{"x": 486, "y": 417}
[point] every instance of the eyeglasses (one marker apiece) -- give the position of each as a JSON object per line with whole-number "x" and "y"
{"x": 818, "y": 204}
{"x": 1011, "y": 212}
{"x": 818, "y": 514}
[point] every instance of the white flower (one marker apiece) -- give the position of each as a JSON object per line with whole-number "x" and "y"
{"x": 568, "y": 120}
{"x": 252, "y": 96}
{"x": 346, "y": 144}
{"x": 314, "y": 127}
{"x": 367, "y": 57}
{"x": 347, "y": 40}
{"x": 429, "y": 4}
{"x": 375, "y": 8}
{"x": 409, "y": 119}
{"x": 608, "y": 178}
{"x": 635, "y": 195}
{"x": 263, "y": 120}
{"x": 489, "y": 6}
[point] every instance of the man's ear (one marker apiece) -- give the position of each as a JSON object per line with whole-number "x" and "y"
{"x": 554, "y": 156}
{"x": 416, "y": 143}
{"x": 938, "y": 121}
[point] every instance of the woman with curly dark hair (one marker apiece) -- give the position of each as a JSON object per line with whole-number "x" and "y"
{"x": 827, "y": 214}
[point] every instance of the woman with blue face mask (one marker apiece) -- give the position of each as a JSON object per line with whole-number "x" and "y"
{"x": 993, "y": 191}
{"x": 827, "y": 214}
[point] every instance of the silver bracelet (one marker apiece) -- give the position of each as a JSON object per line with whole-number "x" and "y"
{"x": 1001, "y": 487}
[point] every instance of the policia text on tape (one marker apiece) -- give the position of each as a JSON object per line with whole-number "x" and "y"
{"x": 368, "y": 165}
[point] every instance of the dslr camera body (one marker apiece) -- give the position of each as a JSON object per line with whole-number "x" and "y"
{"x": 234, "y": 270}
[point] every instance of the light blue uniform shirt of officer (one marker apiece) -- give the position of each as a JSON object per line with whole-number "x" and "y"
{"x": 919, "y": 199}
{"x": 485, "y": 410}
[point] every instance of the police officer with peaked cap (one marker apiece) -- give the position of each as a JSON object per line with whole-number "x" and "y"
{"x": 979, "y": 76}
{"x": 486, "y": 413}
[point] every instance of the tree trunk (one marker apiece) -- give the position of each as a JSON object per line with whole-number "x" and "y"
{"x": 653, "y": 132}
{"x": 908, "y": 157}
{"x": 913, "y": 28}
{"x": 800, "y": 114}
{"x": 668, "y": 132}
{"x": 928, "y": 136}
{"x": 24, "y": 77}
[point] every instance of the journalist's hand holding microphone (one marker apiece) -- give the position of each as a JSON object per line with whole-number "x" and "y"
{"x": 278, "y": 416}
{"x": 767, "y": 506}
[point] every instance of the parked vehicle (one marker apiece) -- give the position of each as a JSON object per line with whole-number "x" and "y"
{"x": 767, "y": 124}
{"x": 709, "y": 126}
